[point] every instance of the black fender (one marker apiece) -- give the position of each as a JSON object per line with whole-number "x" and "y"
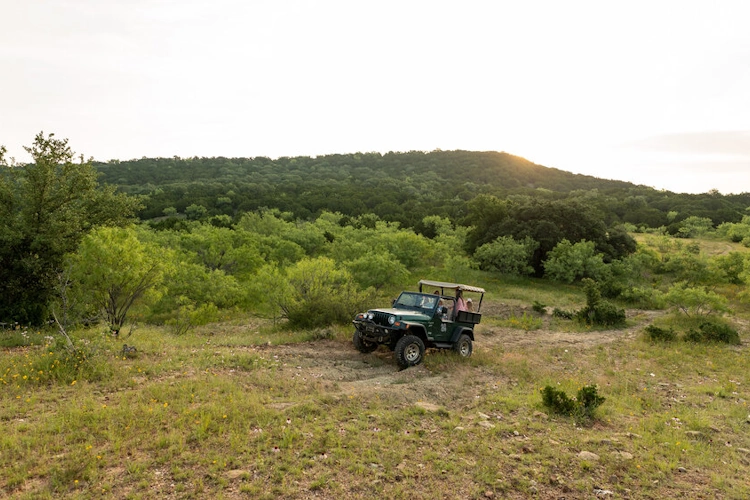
{"x": 416, "y": 329}
{"x": 458, "y": 331}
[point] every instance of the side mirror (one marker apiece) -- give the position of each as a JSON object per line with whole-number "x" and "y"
{"x": 393, "y": 302}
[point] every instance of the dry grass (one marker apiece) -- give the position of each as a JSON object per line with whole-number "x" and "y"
{"x": 221, "y": 414}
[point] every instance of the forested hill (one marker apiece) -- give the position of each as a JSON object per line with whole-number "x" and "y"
{"x": 402, "y": 187}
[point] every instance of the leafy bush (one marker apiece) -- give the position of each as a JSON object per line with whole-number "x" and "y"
{"x": 695, "y": 301}
{"x": 656, "y": 334}
{"x": 563, "y": 314}
{"x": 507, "y": 255}
{"x": 647, "y": 298}
{"x": 189, "y": 316}
{"x": 598, "y": 312}
{"x": 581, "y": 407}
{"x": 539, "y": 307}
{"x": 568, "y": 262}
{"x": 711, "y": 331}
{"x": 315, "y": 293}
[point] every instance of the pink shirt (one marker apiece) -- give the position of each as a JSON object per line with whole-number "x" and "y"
{"x": 461, "y": 305}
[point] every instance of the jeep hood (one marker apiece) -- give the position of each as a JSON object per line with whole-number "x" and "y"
{"x": 405, "y": 314}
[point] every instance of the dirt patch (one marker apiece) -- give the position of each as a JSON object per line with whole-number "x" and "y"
{"x": 345, "y": 371}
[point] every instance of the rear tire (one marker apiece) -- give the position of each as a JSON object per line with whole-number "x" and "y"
{"x": 463, "y": 346}
{"x": 409, "y": 351}
{"x": 362, "y": 345}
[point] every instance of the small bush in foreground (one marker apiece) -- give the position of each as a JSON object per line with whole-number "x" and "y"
{"x": 581, "y": 407}
{"x": 539, "y": 307}
{"x": 562, "y": 313}
{"x": 656, "y": 334}
{"x": 713, "y": 332}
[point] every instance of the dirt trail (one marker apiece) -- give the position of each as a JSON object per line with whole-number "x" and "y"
{"x": 346, "y": 371}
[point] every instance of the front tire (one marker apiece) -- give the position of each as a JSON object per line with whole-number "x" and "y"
{"x": 362, "y": 345}
{"x": 463, "y": 346}
{"x": 409, "y": 351}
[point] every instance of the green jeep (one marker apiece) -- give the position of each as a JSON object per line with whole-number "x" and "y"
{"x": 419, "y": 320}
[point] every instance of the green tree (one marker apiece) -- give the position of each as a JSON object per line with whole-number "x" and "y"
{"x": 507, "y": 255}
{"x": 568, "y": 262}
{"x": 375, "y": 269}
{"x": 195, "y": 212}
{"x": 46, "y": 208}
{"x": 695, "y": 300}
{"x": 694, "y": 226}
{"x": 113, "y": 270}
{"x": 316, "y": 293}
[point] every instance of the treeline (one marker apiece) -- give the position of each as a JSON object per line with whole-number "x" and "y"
{"x": 74, "y": 250}
{"x": 396, "y": 187}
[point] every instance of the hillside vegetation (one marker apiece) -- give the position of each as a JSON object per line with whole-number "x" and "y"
{"x": 397, "y": 187}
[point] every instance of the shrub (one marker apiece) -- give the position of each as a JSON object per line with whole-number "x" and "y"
{"x": 562, "y": 313}
{"x": 507, "y": 255}
{"x": 656, "y": 334}
{"x": 314, "y": 293}
{"x": 582, "y": 407}
{"x": 568, "y": 262}
{"x": 711, "y": 331}
{"x": 539, "y": 307}
{"x": 646, "y": 298}
{"x": 695, "y": 301}
{"x": 598, "y": 312}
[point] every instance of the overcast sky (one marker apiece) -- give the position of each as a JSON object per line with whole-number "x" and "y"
{"x": 653, "y": 92}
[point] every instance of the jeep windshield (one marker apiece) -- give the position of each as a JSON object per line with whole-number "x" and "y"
{"x": 411, "y": 300}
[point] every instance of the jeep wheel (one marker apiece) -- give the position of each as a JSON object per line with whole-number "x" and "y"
{"x": 361, "y": 344}
{"x": 464, "y": 346}
{"x": 409, "y": 351}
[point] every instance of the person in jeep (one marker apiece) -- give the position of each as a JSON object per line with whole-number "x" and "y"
{"x": 418, "y": 320}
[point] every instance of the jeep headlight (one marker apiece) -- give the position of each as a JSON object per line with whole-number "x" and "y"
{"x": 391, "y": 320}
{"x": 370, "y": 316}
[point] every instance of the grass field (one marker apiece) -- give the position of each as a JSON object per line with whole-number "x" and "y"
{"x": 240, "y": 410}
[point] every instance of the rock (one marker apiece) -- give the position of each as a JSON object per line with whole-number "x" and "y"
{"x": 458, "y": 428}
{"x": 489, "y": 494}
{"x": 553, "y": 442}
{"x": 486, "y": 424}
{"x": 632, "y": 435}
{"x": 744, "y": 450}
{"x": 624, "y": 455}
{"x": 427, "y": 406}
{"x": 681, "y": 469}
{"x": 694, "y": 434}
{"x": 542, "y": 415}
{"x": 235, "y": 474}
{"x": 603, "y": 493}
{"x": 483, "y": 416}
{"x": 587, "y": 455}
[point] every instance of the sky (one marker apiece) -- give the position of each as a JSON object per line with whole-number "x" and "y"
{"x": 653, "y": 92}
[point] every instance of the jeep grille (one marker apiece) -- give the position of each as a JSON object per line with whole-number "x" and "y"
{"x": 381, "y": 318}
